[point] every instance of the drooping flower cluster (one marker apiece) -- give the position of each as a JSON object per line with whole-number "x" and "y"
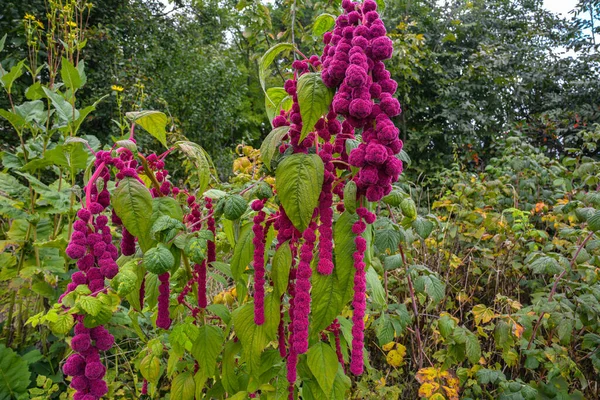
{"x": 260, "y": 234}
{"x": 163, "y": 319}
{"x": 84, "y": 365}
{"x": 352, "y": 63}
{"x": 360, "y": 289}
{"x": 91, "y": 245}
{"x": 302, "y": 298}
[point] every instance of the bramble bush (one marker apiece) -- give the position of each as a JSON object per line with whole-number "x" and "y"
{"x": 317, "y": 271}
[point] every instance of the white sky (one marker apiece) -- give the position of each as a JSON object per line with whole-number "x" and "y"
{"x": 560, "y": 6}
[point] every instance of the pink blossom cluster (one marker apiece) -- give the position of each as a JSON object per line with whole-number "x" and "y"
{"x": 302, "y": 298}
{"x": 84, "y": 365}
{"x": 91, "y": 245}
{"x": 259, "y": 261}
{"x": 163, "y": 319}
{"x": 325, "y": 265}
{"x": 352, "y": 63}
{"x": 157, "y": 165}
{"x": 360, "y": 290}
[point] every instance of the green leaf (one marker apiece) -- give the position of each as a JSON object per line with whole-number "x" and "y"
{"x": 344, "y": 249}
{"x": 15, "y": 120}
{"x": 132, "y": 202}
{"x": 280, "y": 269}
{"x": 270, "y": 146}
{"x": 8, "y": 78}
{"x": 243, "y": 252}
{"x": 200, "y": 160}
{"x": 229, "y": 378}
{"x": 64, "y": 109}
{"x": 432, "y": 286}
{"x": 545, "y": 265}
{"x": 235, "y": 206}
{"x": 150, "y": 368}
{"x": 268, "y": 58}
{"x": 14, "y": 374}
{"x": 154, "y": 122}
{"x": 422, "y": 226}
{"x": 183, "y": 387}
{"x": 71, "y": 156}
{"x": 326, "y": 303}
{"x": 253, "y": 337}
{"x": 63, "y": 324}
{"x": 70, "y": 75}
{"x": 375, "y": 288}
{"x": 276, "y": 100}
{"x": 91, "y": 305}
{"x": 323, "y": 363}
{"x": 350, "y": 196}
{"x": 207, "y": 347}
{"x": 2, "y": 41}
{"x": 159, "y": 259}
{"x": 299, "y": 178}
{"x": 594, "y": 222}
{"x": 323, "y": 23}
{"x": 314, "y": 99}
{"x": 469, "y": 339}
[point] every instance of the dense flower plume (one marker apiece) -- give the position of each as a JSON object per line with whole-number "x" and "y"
{"x": 355, "y": 140}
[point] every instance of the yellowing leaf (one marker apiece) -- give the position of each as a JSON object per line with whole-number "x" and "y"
{"x": 389, "y": 346}
{"x": 428, "y": 389}
{"x": 482, "y": 314}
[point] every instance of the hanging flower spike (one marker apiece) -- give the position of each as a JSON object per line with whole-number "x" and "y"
{"x": 259, "y": 261}
{"x": 163, "y": 319}
{"x": 325, "y": 265}
{"x": 302, "y": 299}
{"x": 360, "y": 289}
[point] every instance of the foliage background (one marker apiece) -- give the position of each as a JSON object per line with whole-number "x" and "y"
{"x": 502, "y": 132}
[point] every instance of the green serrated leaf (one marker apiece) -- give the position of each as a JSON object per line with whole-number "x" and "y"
{"x": 280, "y": 270}
{"x": 299, "y": 178}
{"x": 132, "y": 202}
{"x": 154, "y": 122}
{"x": 314, "y": 99}
{"x": 323, "y": 363}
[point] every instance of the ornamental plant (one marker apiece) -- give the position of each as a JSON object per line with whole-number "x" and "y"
{"x": 303, "y": 257}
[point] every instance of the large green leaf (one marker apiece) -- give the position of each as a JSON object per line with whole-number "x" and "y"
{"x": 132, "y": 202}
{"x": 201, "y": 161}
{"x": 70, "y": 75}
{"x": 326, "y": 301}
{"x": 207, "y": 348}
{"x": 314, "y": 99}
{"x": 299, "y": 178}
{"x": 183, "y": 387}
{"x": 228, "y": 364}
{"x": 323, "y": 363}
{"x": 71, "y": 156}
{"x": 8, "y": 78}
{"x": 243, "y": 252}
{"x": 268, "y": 58}
{"x": 64, "y": 109}
{"x": 344, "y": 248}
{"x": 280, "y": 269}
{"x": 14, "y": 374}
{"x": 253, "y": 337}
{"x": 154, "y": 122}
{"x": 375, "y": 288}
{"x": 323, "y": 23}
{"x": 270, "y": 146}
